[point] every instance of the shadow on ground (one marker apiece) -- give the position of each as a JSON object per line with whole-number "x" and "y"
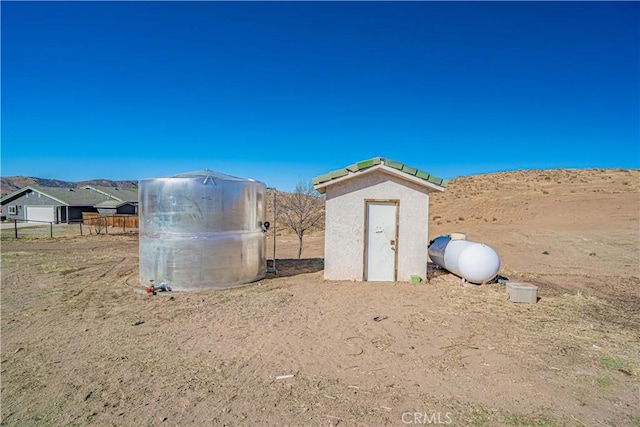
{"x": 292, "y": 267}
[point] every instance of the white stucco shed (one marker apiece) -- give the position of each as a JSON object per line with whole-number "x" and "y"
{"x": 377, "y": 219}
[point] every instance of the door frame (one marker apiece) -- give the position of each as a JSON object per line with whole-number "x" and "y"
{"x": 365, "y": 240}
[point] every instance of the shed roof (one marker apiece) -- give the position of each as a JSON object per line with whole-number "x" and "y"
{"x": 379, "y": 163}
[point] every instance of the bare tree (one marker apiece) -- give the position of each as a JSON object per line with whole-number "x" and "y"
{"x": 302, "y": 210}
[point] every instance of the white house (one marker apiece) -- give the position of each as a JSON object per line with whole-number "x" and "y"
{"x": 377, "y": 219}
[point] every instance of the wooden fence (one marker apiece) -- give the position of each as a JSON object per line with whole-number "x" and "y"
{"x": 110, "y": 220}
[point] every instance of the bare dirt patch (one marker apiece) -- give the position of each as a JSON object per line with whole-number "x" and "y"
{"x": 79, "y": 346}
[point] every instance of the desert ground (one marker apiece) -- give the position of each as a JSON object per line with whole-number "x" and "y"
{"x": 81, "y": 347}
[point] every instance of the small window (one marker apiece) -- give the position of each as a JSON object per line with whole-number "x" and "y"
{"x": 12, "y": 210}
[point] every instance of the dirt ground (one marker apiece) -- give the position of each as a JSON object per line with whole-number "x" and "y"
{"x": 80, "y": 347}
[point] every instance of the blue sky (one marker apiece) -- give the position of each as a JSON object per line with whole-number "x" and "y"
{"x": 284, "y": 91}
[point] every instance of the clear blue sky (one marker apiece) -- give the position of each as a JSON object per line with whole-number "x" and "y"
{"x": 284, "y": 91}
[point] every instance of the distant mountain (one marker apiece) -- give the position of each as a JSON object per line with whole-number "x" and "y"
{"x": 10, "y": 184}
{"x": 109, "y": 183}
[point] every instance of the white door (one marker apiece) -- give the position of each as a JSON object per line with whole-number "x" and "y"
{"x": 381, "y": 242}
{"x": 39, "y": 213}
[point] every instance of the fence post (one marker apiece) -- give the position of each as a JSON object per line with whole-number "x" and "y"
{"x": 124, "y": 224}
{"x": 106, "y": 224}
{"x": 80, "y": 227}
{"x": 15, "y": 227}
{"x": 51, "y": 230}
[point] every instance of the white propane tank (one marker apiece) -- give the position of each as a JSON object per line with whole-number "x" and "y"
{"x": 475, "y": 262}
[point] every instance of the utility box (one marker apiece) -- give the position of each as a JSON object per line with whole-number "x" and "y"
{"x": 522, "y": 292}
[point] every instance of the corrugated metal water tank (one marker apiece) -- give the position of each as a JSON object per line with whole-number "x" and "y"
{"x": 201, "y": 230}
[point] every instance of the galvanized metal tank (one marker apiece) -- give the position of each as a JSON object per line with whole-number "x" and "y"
{"x": 201, "y": 230}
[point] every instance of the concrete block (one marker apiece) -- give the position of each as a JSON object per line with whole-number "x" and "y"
{"x": 522, "y": 292}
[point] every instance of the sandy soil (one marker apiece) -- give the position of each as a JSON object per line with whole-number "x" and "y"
{"x": 80, "y": 347}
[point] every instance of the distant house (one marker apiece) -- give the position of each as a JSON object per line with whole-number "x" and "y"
{"x": 122, "y": 200}
{"x": 117, "y": 207}
{"x": 377, "y": 214}
{"x": 56, "y": 204}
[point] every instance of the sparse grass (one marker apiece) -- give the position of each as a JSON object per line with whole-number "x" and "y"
{"x": 604, "y": 381}
{"x": 481, "y": 418}
{"x": 284, "y": 299}
{"x": 526, "y": 421}
{"x": 613, "y": 363}
{"x": 226, "y": 298}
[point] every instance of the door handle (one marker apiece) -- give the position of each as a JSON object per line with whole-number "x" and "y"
{"x": 392, "y": 242}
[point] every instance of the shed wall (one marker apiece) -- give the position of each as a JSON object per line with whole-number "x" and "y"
{"x": 345, "y": 222}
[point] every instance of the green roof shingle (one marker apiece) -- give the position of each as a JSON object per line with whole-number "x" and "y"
{"x": 366, "y": 164}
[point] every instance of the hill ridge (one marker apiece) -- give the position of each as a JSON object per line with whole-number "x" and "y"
{"x": 10, "y": 184}
{"x": 482, "y": 181}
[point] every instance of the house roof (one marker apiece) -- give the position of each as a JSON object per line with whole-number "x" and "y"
{"x": 385, "y": 165}
{"x": 117, "y": 193}
{"x": 86, "y": 196}
{"x": 13, "y": 195}
{"x": 113, "y": 204}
